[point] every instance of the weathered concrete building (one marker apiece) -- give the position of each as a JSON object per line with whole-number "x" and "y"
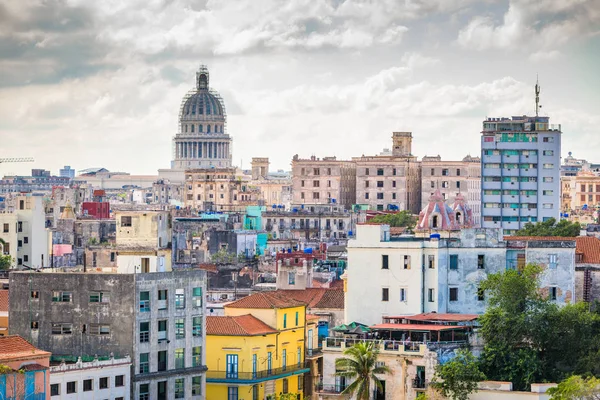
{"x": 158, "y": 318}
{"x": 165, "y": 192}
{"x": 390, "y": 182}
{"x": 303, "y": 224}
{"x": 275, "y": 189}
{"x": 323, "y": 181}
{"x": 587, "y": 269}
{"x": 191, "y": 237}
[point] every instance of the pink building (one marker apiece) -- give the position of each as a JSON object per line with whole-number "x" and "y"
{"x": 24, "y": 370}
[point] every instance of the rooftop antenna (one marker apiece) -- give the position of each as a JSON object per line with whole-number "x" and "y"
{"x": 537, "y": 96}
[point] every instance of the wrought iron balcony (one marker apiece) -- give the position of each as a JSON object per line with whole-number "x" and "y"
{"x": 257, "y": 376}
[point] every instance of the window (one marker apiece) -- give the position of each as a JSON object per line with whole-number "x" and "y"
{"x": 315, "y": 195}
{"x": 62, "y": 329}
{"x": 179, "y": 328}
{"x": 71, "y": 387}
{"x": 144, "y": 391}
{"x": 88, "y": 385}
{"x": 125, "y": 221}
{"x": 19, "y": 226}
{"x": 366, "y": 171}
{"x": 431, "y": 261}
{"x": 297, "y": 318}
{"x": 35, "y": 325}
{"x": 547, "y": 206}
{"x": 406, "y": 262}
{"x": 179, "y": 298}
{"x": 162, "y": 299}
{"x": 379, "y": 171}
{"x": 548, "y": 152}
{"x": 480, "y": 261}
{"x": 285, "y": 386}
{"x": 315, "y": 183}
{"x": 35, "y": 294}
{"x": 328, "y": 171}
{"x": 284, "y": 321}
{"x": 291, "y": 278}
{"x": 179, "y": 358}
{"x": 6, "y": 228}
{"x": 385, "y": 262}
{"x": 444, "y": 172}
{"x": 366, "y": 196}
{"x": 548, "y": 192}
{"x": 548, "y": 179}
{"x": 552, "y": 261}
{"x": 98, "y": 329}
{"x": 548, "y": 139}
{"x": 144, "y": 301}
{"x": 232, "y": 393}
{"x": 26, "y": 240}
{"x": 453, "y": 294}
{"x": 144, "y": 332}
{"x": 196, "y": 386}
{"x": 162, "y": 330}
{"x": 379, "y": 196}
{"x": 179, "y": 388}
{"x": 196, "y": 356}
{"x": 458, "y": 172}
{"x": 431, "y": 295}
{"x": 403, "y": 295}
{"x": 548, "y": 166}
{"x": 316, "y": 171}
{"x": 394, "y": 171}
{"x": 62, "y": 297}
{"x": 99, "y": 297}
{"x": 299, "y": 356}
{"x": 480, "y": 294}
{"x": 385, "y": 294}
{"x": 302, "y": 183}
{"x": 269, "y": 362}
{"x": 119, "y": 380}
{"x": 144, "y": 363}
{"x": 394, "y": 184}
{"x": 255, "y": 392}
{"x": 458, "y": 184}
{"x": 197, "y": 297}
{"x": 55, "y": 389}
{"x": 103, "y": 383}
{"x": 379, "y": 184}
{"x": 552, "y": 293}
{"x": 445, "y": 184}
{"x": 197, "y": 326}
{"x": 453, "y": 261}
{"x": 162, "y": 360}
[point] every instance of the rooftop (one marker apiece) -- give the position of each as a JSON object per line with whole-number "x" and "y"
{"x": 440, "y": 317}
{"x": 416, "y": 327}
{"x": 15, "y": 347}
{"x": 588, "y": 246}
{"x": 267, "y": 300}
{"x": 243, "y": 325}
{"x": 317, "y": 297}
{"x": 539, "y": 238}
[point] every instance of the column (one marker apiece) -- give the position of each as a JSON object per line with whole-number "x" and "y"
{"x": 220, "y": 155}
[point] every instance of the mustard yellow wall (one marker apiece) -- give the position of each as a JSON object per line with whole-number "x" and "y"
{"x": 219, "y": 390}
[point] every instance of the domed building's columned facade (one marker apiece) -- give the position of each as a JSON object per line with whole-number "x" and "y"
{"x": 202, "y": 140}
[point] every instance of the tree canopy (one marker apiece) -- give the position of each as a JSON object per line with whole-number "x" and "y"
{"x": 458, "y": 378}
{"x": 550, "y": 228}
{"x": 360, "y": 365}
{"x": 529, "y": 338}
{"x": 400, "y": 219}
{"x": 6, "y": 262}
{"x": 576, "y": 388}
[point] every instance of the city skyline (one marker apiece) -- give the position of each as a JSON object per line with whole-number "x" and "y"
{"x": 85, "y": 84}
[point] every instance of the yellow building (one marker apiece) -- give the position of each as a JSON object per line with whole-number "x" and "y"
{"x": 256, "y": 351}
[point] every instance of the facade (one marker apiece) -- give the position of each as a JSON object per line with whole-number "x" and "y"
{"x": 520, "y": 159}
{"x": 257, "y": 349}
{"x": 165, "y": 192}
{"x": 40, "y": 180}
{"x": 587, "y": 269}
{"x": 303, "y": 224}
{"x": 275, "y": 189}
{"x": 412, "y": 274}
{"x": 157, "y": 318}
{"x": 452, "y": 178}
{"x": 323, "y": 181}
{"x": 202, "y": 140}
{"x": 140, "y": 229}
{"x": 23, "y": 231}
{"x": 17, "y": 354}
{"x": 218, "y": 189}
{"x": 95, "y": 380}
{"x": 580, "y": 196}
{"x": 67, "y": 172}
{"x": 390, "y": 182}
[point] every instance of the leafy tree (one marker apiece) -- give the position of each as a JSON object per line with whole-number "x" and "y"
{"x": 400, "y": 219}
{"x": 458, "y": 378}
{"x": 550, "y": 228}
{"x": 6, "y": 261}
{"x": 360, "y": 366}
{"x": 576, "y": 388}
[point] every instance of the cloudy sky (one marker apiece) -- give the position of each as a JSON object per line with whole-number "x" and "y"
{"x": 99, "y": 83}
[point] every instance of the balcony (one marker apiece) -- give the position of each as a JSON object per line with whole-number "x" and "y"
{"x": 314, "y": 353}
{"x": 255, "y": 377}
{"x": 419, "y": 383}
{"x": 394, "y": 347}
{"x": 329, "y": 389}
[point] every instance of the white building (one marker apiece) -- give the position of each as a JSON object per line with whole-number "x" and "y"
{"x": 93, "y": 380}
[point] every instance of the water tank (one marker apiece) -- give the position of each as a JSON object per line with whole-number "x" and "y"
{"x": 434, "y": 236}
{"x": 308, "y": 250}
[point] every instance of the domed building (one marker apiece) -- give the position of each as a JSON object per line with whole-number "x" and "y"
{"x": 202, "y": 140}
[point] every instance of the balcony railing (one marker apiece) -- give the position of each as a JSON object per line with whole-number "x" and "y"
{"x": 329, "y": 389}
{"x": 419, "y": 383}
{"x": 385, "y": 346}
{"x": 228, "y": 376}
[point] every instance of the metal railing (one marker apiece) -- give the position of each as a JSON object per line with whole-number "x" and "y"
{"x": 327, "y": 388}
{"x": 419, "y": 383}
{"x": 249, "y": 376}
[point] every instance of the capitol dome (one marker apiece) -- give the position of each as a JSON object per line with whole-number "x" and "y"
{"x": 202, "y": 141}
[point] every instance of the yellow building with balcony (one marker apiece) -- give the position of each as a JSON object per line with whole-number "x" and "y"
{"x": 256, "y": 351}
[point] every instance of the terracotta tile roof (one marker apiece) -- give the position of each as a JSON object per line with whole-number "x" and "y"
{"x": 542, "y": 238}
{"x": 15, "y": 347}
{"x": 440, "y": 317}
{"x": 274, "y": 299}
{"x": 317, "y": 297}
{"x": 589, "y": 247}
{"x": 208, "y": 267}
{"x": 242, "y": 325}
{"x": 337, "y": 284}
{"x": 3, "y": 300}
{"x": 416, "y": 327}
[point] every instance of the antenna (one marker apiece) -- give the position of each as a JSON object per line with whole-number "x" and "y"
{"x": 537, "y": 96}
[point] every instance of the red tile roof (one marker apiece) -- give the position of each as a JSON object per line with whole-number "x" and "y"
{"x": 317, "y": 297}
{"x": 274, "y": 299}
{"x": 542, "y": 238}
{"x": 243, "y": 325}
{"x": 3, "y": 300}
{"x": 15, "y": 347}
{"x": 589, "y": 247}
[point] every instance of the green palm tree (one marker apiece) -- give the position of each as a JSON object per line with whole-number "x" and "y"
{"x": 361, "y": 366}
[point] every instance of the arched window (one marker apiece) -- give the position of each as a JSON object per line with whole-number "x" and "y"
{"x": 186, "y": 128}
{"x": 200, "y": 128}
{"x": 207, "y": 128}
{"x": 192, "y": 128}
{"x": 459, "y": 217}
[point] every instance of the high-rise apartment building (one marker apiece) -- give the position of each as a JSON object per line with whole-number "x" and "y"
{"x": 520, "y": 167}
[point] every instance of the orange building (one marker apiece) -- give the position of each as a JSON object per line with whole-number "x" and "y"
{"x": 24, "y": 370}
